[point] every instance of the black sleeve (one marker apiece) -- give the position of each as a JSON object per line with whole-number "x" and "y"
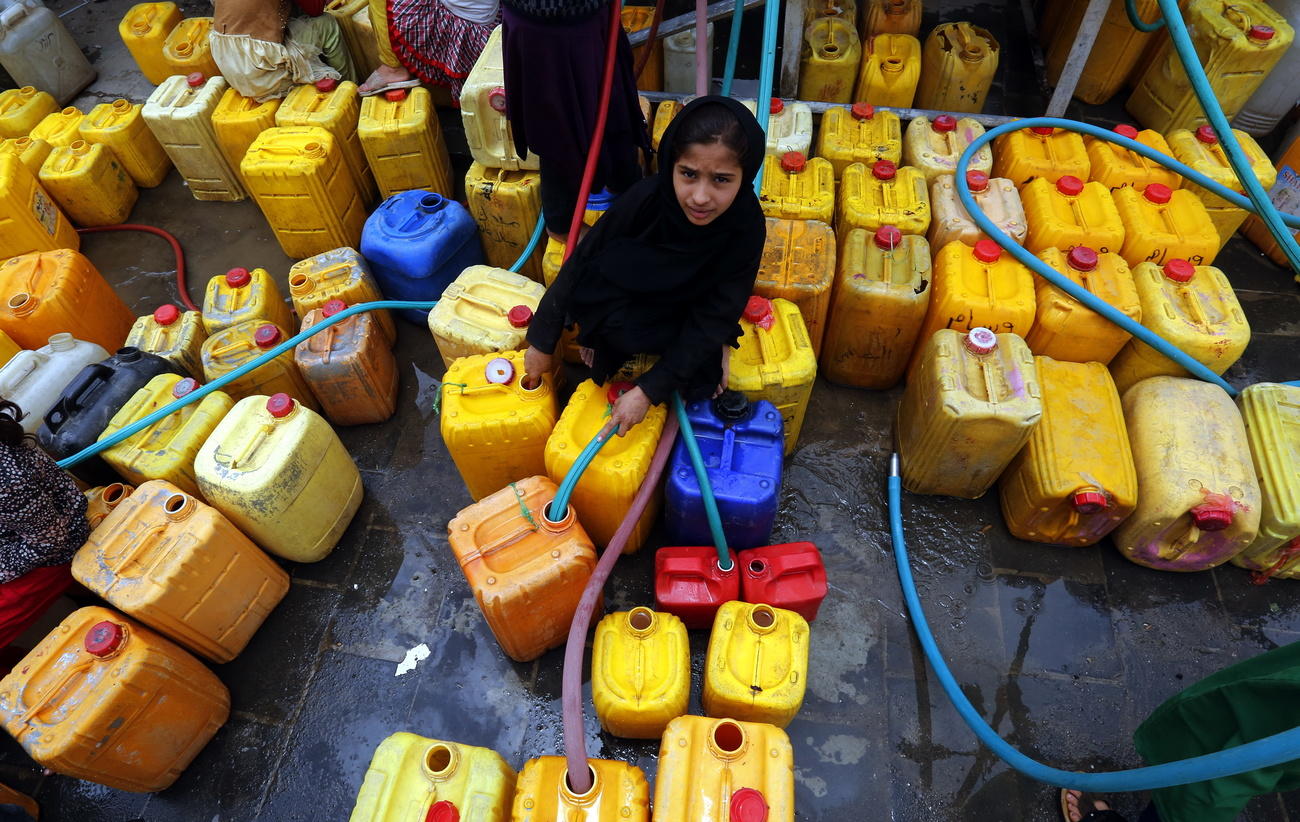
{"x": 548, "y": 320}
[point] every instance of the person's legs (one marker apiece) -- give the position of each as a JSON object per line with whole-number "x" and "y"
{"x": 559, "y": 198}
{"x": 390, "y": 68}
{"x": 321, "y": 35}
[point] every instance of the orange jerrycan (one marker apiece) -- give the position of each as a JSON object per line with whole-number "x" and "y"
{"x": 527, "y": 572}
{"x": 50, "y": 292}
{"x": 494, "y": 427}
{"x": 935, "y": 146}
{"x": 484, "y": 310}
{"x": 60, "y": 128}
{"x": 144, "y": 30}
{"x": 884, "y": 195}
{"x": 798, "y": 188}
{"x": 619, "y": 793}
{"x": 1201, "y": 150}
{"x": 997, "y": 197}
{"x": 756, "y": 668}
{"x": 104, "y": 699}
{"x": 859, "y": 134}
{"x": 798, "y": 265}
{"x": 1198, "y": 498}
{"x": 231, "y": 347}
{"x": 890, "y": 70}
{"x": 334, "y": 106}
{"x": 9, "y": 796}
{"x": 1195, "y": 309}
{"x": 21, "y": 109}
{"x": 120, "y": 127}
{"x": 349, "y": 366}
{"x": 959, "y": 62}
{"x": 340, "y": 274}
{"x": 878, "y": 305}
{"x": 180, "y": 567}
{"x": 238, "y": 120}
{"x": 101, "y": 501}
{"x": 639, "y": 18}
{"x": 279, "y": 473}
{"x": 977, "y": 287}
{"x": 166, "y": 449}
{"x": 775, "y": 361}
{"x": 506, "y": 205}
{"x": 1161, "y": 225}
{"x": 1114, "y": 54}
{"x": 1116, "y": 167}
{"x": 29, "y": 219}
{"x": 89, "y": 184}
{"x": 8, "y": 348}
{"x": 721, "y": 770}
{"x": 417, "y": 779}
{"x": 828, "y": 66}
{"x": 1063, "y": 328}
{"x": 32, "y": 153}
{"x": 890, "y": 17}
{"x": 240, "y": 296}
{"x": 1074, "y": 481}
{"x": 970, "y": 405}
{"x": 403, "y": 143}
{"x": 615, "y": 473}
{"x": 640, "y": 672}
{"x": 186, "y": 50}
{"x": 1040, "y": 151}
{"x": 179, "y": 113}
{"x": 1271, "y": 413}
{"x": 1070, "y": 212}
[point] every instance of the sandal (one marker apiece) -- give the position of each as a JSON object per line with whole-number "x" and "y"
{"x": 393, "y": 86}
{"x": 1088, "y": 803}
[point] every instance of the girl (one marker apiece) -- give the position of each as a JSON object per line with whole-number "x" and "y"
{"x": 669, "y": 268}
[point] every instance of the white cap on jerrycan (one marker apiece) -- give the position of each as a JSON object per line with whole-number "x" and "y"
{"x": 981, "y": 341}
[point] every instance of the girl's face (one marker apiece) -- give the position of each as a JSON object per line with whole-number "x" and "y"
{"x": 706, "y": 180}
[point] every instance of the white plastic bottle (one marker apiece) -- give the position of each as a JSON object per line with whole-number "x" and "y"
{"x": 37, "y": 50}
{"x": 34, "y": 379}
{"x": 679, "y": 60}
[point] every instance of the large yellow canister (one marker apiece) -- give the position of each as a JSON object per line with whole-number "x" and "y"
{"x": 712, "y": 770}
{"x": 1070, "y": 212}
{"x": 482, "y": 110}
{"x": 789, "y": 126}
{"x": 1074, "y": 481}
{"x": 21, "y": 109}
{"x": 619, "y": 792}
{"x": 279, "y": 472}
{"x": 640, "y": 672}
{"x": 1114, "y": 53}
{"x": 959, "y": 61}
{"x": 1238, "y": 43}
{"x": 119, "y": 126}
{"x": 1271, "y": 413}
{"x": 756, "y": 668}
{"x": 484, "y": 310}
{"x": 31, "y": 152}
{"x": 1195, "y": 309}
{"x": 798, "y": 264}
{"x": 664, "y": 114}
{"x": 996, "y": 197}
{"x": 890, "y": 70}
{"x": 614, "y": 475}
{"x": 345, "y": 13}
{"x": 335, "y": 107}
{"x": 179, "y": 113}
{"x": 237, "y": 120}
{"x": 1198, "y": 499}
{"x": 176, "y": 336}
{"x": 1201, "y": 150}
{"x": 144, "y": 30}
{"x": 241, "y": 295}
{"x": 186, "y": 48}
{"x": 231, "y": 347}
{"x": 1064, "y": 329}
{"x": 1116, "y": 167}
{"x": 30, "y": 221}
{"x": 881, "y": 195}
{"x": 1040, "y": 151}
{"x": 639, "y": 18}
{"x": 59, "y": 128}
{"x": 506, "y": 205}
{"x": 340, "y": 274}
{"x": 1161, "y": 225}
{"x": 859, "y": 134}
{"x": 828, "y": 66}
{"x": 775, "y": 361}
{"x": 89, "y": 184}
{"x": 798, "y": 188}
{"x": 403, "y": 143}
{"x": 412, "y": 778}
{"x": 970, "y": 405}
{"x": 935, "y": 146}
{"x": 890, "y": 17}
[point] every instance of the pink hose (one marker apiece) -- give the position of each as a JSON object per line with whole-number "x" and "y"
{"x": 703, "y": 56}
{"x": 575, "y": 737}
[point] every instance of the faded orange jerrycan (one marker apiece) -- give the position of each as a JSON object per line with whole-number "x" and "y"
{"x": 1161, "y": 225}
{"x": 1195, "y": 309}
{"x": 506, "y": 205}
{"x": 775, "y": 362}
{"x": 340, "y": 274}
{"x": 1070, "y": 212}
{"x": 1198, "y": 499}
{"x": 879, "y": 302}
{"x": 238, "y": 120}
{"x": 890, "y": 17}
{"x": 101, "y": 500}
{"x": 279, "y": 472}
{"x": 959, "y": 62}
{"x": 89, "y": 184}
{"x": 971, "y": 403}
{"x": 798, "y": 265}
{"x": 495, "y": 427}
{"x": 859, "y": 134}
{"x": 1074, "y": 481}
{"x": 639, "y": 18}
{"x": 884, "y": 195}
{"x": 21, "y": 109}
{"x": 403, "y": 143}
{"x": 231, "y": 347}
{"x": 613, "y": 476}
{"x": 1116, "y": 167}
{"x": 120, "y": 127}
{"x": 484, "y": 310}
{"x": 1066, "y": 330}
{"x": 890, "y": 70}
{"x": 756, "y": 668}
{"x": 47, "y": 293}
{"x": 798, "y": 188}
{"x": 1201, "y": 150}
{"x": 32, "y": 153}
{"x": 349, "y": 366}
{"x": 721, "y": 770}
{"x": 619, "y": 793}
{"x": 144, "y": 30}
{"x": 828, "y": 66}
{"x": 527, "y": 571}
{"x": 176, "y": 336}
{"x": 935, "y": 146}
{"x": 107, "y": 700}
{"x": 60, "y": 128}
{"x": 1040, "y": 151}
{"x": 640, "y": 672}
{"x": 186, "y": 49}
{"x": 997, "y": 197}
{"x": 180, "y": 567}
{"x": 32, "y": 221}
{"x": 166, "y": 449}
{"x": 1271, "y": 413}
{"x": 241, "y": 295}
{"x": 334, "y": 106}
{"x": 415, "y": 779}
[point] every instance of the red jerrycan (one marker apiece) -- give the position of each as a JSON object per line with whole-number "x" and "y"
{"x": 690, "y": 584}
{"x": 789, "y": 576}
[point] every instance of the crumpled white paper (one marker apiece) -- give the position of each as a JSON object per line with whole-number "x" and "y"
{"x": 413, "y": 658}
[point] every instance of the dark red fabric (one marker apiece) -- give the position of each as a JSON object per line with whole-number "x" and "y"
{"x": 311, "y": 8}
{"x": 433, "y": 43}
{"x": 23, "y": 600}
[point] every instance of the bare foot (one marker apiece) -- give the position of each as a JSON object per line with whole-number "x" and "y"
{"x": 1076, "y": 813}
{"x": 384, "y": 75}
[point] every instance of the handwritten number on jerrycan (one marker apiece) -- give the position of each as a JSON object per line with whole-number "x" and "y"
{"x": 415, "y": 779}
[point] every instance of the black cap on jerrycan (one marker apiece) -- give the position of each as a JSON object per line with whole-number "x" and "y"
{"x": 731, "y": 406}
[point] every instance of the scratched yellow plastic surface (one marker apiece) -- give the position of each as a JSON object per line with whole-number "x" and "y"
{"x": 703, "y": 761}
{"x": 506, "y": 205}
{"x": 844, "y": 139}
{"x": 1079, "y": 446}
{"x": 640, "y": 672}
{"x": 287, "y": 483}
{"x": 890, "y": 70}
{"x": 798, "y": 265}
{"x": 1201, "y": 317}
{"x": 1210, "y": 160}
{"x": 614, "y": 475}
{"x": 180, "y": 343}
{"x": 339, "y": 274}
{"x": 403, "y": 144}
{"x": 1116, "y": 167}
{"x": 1021, "y": 156}
{"x": 1114, "y": 53}
{"x": 337, "y": 111}
{"x": 1271, "y": 413}
{"x": 59, "y": 128}
{"x": 808, "y": 194}
{"x": 180, "y": 116}
{"x": 756, "y": 668}
{"x": 867, "y": 202}
{"x": 225, "y": 305}
{"x": 959, "y": 61}
{"x": 21, "y": 109}
{"x": 777, "y": 365}
{"x": 950, "y": 222}
{"x": 828, "y": 64}
{"x": 471, "y": 317}
{"x": 620, "y": 793}
{"x": 790, "y": 129}
{"x": 30, "y": 221}
{"x": 89, "y": 184}
{"x": 964, "y": 416}
{"x": 409, "y": 774}
{"x": 936, "y": 152}
{"x": 1157, "y": 233}
{"x": 120, "y": 127}
{"x": 31, "y": 152}
{"x": 8, "y": 348}
{"x": 1066, "y": 330}
{"x": 186, "y": 48}
{"x": 1058, "y": 220}
{"x": 144, "y": 29}
{"x": 237, "y": 120}
{"x": 231, "y": 347}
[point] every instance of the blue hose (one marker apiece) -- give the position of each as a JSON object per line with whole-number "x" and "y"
{"x": 532, "y": 244}
{"x": 706, "y": 488}
{"x": 1130, "y": 6}
{"x": 733, "y": 46}
{"x": 561, "y": 502}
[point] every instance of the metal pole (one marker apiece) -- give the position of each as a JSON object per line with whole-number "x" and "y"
{"x": 1089, "y": 27}
{"x": 682, "y": 22}
{"x": 987, "y": 120}
{"x": 792, "y": 47}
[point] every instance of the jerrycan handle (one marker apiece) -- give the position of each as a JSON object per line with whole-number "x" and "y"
{"x": 251, "y": 446}
{"x": 77, "y": 395}
{"x": 139, "y": 546}
{"x": 60, "y": 686}
{"x": 483, "y": 302}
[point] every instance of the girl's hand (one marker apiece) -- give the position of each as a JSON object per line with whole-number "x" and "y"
{"x": 726, "y": 371}
{"x": 536, "y": 364}
{"x": 629, "y": 410}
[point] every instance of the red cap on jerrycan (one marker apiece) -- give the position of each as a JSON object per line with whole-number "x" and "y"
{"x": 793, "y": 162}
{"x": 776, "y": 106}
{"x": 1261, "y": 33}
{"x": 987, "y": 251}
{"x": 238, "y": 277}
{"x": 1081, "y": 258}
{"x": 395, "y": 95}
{"x": 1070, "y": 186}
{"x": 862, "y": 111}
{"x": 1179, "y": 270}
{"x": 195, "y": 79}
{"x": 759, "y": 312}
{"x": 888, "y": 237}
{"x": 618, "y": 389}
{"x": 183, "y": 387}
{"x": 326, "y": 84}
{"x": 748, "y": 805}
{"x": 332, "y": 307}
{"x": 279, "y": 405}
{"x": 519, "y": 316}
{"x": 1042, "y": 131}
{"x": 1125, "y": 130}
{"x": 977, "y": 181}
{"x": 166, "y": 314}
{"x": 266, "y": 336}
{"x": 944, "y": 123}
{"x": 442, "y": 811}
{"x": 1158, "y": 193}
{"x": 1089, "y": 502}
{"x": 1214, "y": 515}
{"x": 884, "y": 170}
{"x": 104, "y": 638}
{"x": 981, "y": 341}
{"x": 1205, "y": 134}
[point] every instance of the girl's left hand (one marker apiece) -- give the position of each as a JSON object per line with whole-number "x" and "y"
{"x": 726, "y": 371}
{"x": 629, "y": 410}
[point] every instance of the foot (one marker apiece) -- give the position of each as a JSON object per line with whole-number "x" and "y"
{"x": 1077, "y": 806}
{"x": 384, "y": 75}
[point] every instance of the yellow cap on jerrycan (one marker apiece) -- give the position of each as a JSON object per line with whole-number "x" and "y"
{"x": 505, "y": 205}
{"x": 186, "y": 48}
{"x": 890, "y": 17}
{"x": 640, "y": 672}
{"x": 89, "y": 184}
{"x": 241, "y": 295}
{"x": 1040, "y": 151}
{"x": 21, "y": 109}
{"x": 48, "y": 293}
{"x": 997, "y": 197}
{"x": 1066, "y": 330}
{"x": 1271, "y": 413}
{"x": 334, "y": 106}
{"x": 1070, "y": 212}
{"x": 350, "y": 367}
{"x": 144, "y": 30}
{"x": 890, "y": 70}
{"x": 238, "y": 120}
{"x": 798, "y": 188}
{"x": 1201, "y": 150}
{"x": 32, "y": 221}
{"x": 881, "y": 195}
{"x": 828, "y": 66}
{"x": 1073, "y": 482}
{"x": 120, "y": 127}
{"x": 959, "y": 61}
{"x": 1116, "y": 167}
{"x": 722, "y": 770}
{"x": 619, "y": 793}
{"x": 31, "y": 153}
{"x": 484, "y": 310}
{"x": 859, "y": 134}
{"x": 935, "y": 146}
{"x": 340, "y": 274}
{"x": 775, "y": 361}
{"x": 413, "y": 777}
{"x": 59, "y": 128}
{"x": 1161, "y": 225}
{"x": 403, "y": 142}
{"x": 232, "y": 347}
{"x": 798, "y": 264}
{"x": 756, "y": 668}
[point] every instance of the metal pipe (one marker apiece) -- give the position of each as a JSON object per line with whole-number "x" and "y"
{"x": 822, "y": 108}
{"x": 682, "y": 22}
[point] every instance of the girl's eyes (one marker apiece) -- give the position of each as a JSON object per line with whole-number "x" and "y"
{"x": 722, "y": 181}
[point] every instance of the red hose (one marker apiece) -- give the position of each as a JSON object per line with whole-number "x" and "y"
{"x": 651, "y": 42}
{"x": 176, "y": 247}
{"x": 575, "y": 739}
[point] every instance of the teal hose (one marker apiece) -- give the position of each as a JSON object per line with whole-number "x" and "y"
{"x": 733, "y": 46}
{"x": 1130, "y": 6}
{"x": 706, "y": 488}
{"x": 771, "y": 13}
{"x": 561, "y": 502}
{"x": 532, "y": 244}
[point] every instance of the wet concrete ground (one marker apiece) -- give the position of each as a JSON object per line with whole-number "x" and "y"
{"x": 1064, "y": 651}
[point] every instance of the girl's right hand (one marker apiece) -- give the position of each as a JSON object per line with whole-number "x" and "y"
{"x": 536, "y": 364}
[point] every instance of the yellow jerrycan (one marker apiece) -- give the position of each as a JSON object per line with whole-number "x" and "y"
{"x": 1070, "y": 212}
{"x": 232, "y": 347}
{"x": 496, "y": 431}
{"x": 22, "y": 109}
{"x": 722, "y": 770}
{"x": 1114, "y": 54}
{"x": 1238, "y": 43}
{"x": 959, "y": 61}
{"x": 1116, "y": 167}
{"x": 877, "y": 307}
{"x": 1040, "y": 151}
{"x": 798, "y": 264}
{"x": 890, "y": 70}
{"x": 120, "y": 127}
{"x": 186, "y": 50}
{"x": 882, "y": 195}
{"x": 859, "y": 134}
{"x": 1162, "y": 225}
{"x": 280, "y": 473}
{"x": 179, "y": 113}
{"x": 891, "y": 17}
{"x": 614, "y": 475}
{"x": 340, "y": 274}
{"x": 484, "y": 310}
{"x": 798, "y": 188}
{"x": 89, "y": 184}
{"x": 1198, "y": 498}
{"x": 172, "y": 334}
{"x": 829, "y": 64}
{"x": 482, "y": 111}
{"x": 32, "y": 221}
{"x": 844, "y": 9}
{"x": 8, "y": 348}
{"x": 144, "y": 30}
{"x": 334, "y": 106}
{"x": 664, "y": 114}
{"x": 756, "y": 668}
{"x": 996, "y": 197}
{"x": 1073, "y": 482}
{"x": 935, "y": 146}
{"x": 59, "y": 128}
{"x": 1201, "y": 150}
{"x": 1063, "y": 328}
{"x": 1271, "y": 413}
{"x": 970, "y": 405}
{"x": 775, "y": 361}
{"x": 101, "y": 500}
{"x": 403, "y": 143}
{"x": 789, "y": 126}
{"x": 166, "y": 449}
{"x": 639, "y": 18}
{"x": 238, "y": 120}
{"x": 32, "y": 153}
{"x": 619, "y": 793}
{"x": 1195, "y": 309}
{"x": 344, "y": 13}
{"x": 241, "y": 295}
{"x": 640, "y": 672}
{"x": 506, "y": 205}
{"x": 415, "y": 778}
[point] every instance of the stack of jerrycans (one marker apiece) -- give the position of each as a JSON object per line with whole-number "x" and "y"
{"x": 413, "y": 777}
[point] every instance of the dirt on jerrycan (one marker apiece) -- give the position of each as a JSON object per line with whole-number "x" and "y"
{"x": 618, "y": 793}
{"x": 959, "y": 62}
{"x": 415, "y": 779}
{"x": 340, "y": 274}
{"x": 232, "y": 348}
{"x": 101, "y": 500}
{"x": 934, "y": 146}
{"x": 176, "y": 336}
{"x": 722, "y": 770}
{"x": 798, "y": 264}
{"x": 796, "y": 187}
{"x": 859, "y": 134}
{"x": 47, "y": 293}
{"x": 640, "y": 672}
{"x": 349, "y": 367}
